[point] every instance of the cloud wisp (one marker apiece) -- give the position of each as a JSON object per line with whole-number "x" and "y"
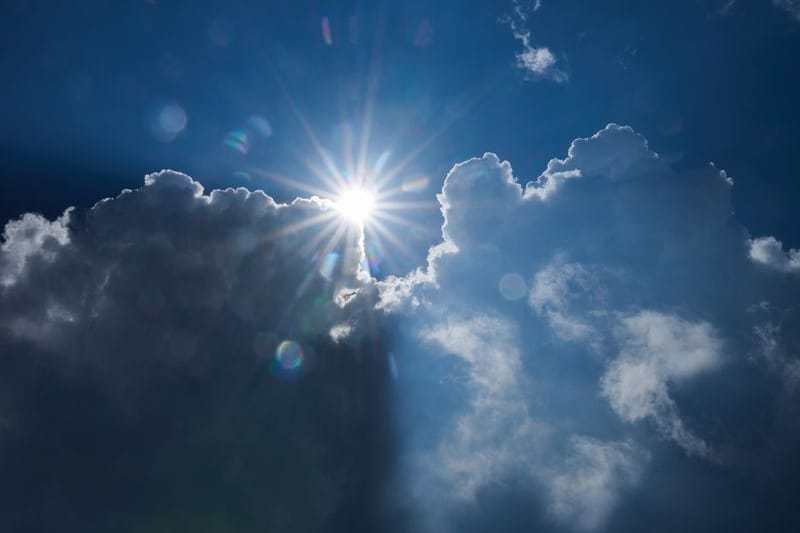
{"x": 538, "y": 61}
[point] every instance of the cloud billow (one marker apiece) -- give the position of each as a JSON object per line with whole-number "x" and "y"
{"x": 603, "y": 348}
{"x": 636, "y": 351}
{"x": 167, "y": 365}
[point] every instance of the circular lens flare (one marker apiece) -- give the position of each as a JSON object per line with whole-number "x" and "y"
{"x": 356, "y": 204}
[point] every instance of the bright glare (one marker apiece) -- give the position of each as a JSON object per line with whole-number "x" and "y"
{"x": 356, "y": 204}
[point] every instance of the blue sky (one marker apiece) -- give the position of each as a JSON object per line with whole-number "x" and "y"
{"x": 572, "y": 307}
{"x": 89, "y": 79}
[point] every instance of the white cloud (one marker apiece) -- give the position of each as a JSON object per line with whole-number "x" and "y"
{"x": 769, "y": 251}
{"x": 537, "y": 60}
{"x": 658, "y": 351}
{"x": 490, "y": 436}
{"x": 495, "y": 436}
{"x": 596, "y": 475}
{"x": 622, "y": 255}
{"x": 31, "y": 235}
{"x": 555, "y": 290}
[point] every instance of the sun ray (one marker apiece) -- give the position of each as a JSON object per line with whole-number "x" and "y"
{"x": 299, "y": 226}
{"x": 386, "y": 233}
{"x": 329, "y": 229}
{"x": 373, "y": 79}
{"x": 289, "y": 182}
{"x": 404, "y": 205}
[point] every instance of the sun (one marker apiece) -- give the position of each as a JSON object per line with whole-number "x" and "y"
{"x": 357, "y": 204}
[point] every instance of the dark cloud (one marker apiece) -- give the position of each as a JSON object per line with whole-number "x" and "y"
{"x": 143, "y": 387}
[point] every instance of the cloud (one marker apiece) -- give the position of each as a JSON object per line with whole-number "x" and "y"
{"x": 496, "y": 435}
{"x": 634, "y": 340}
{"x": 657, "y": 350}
{"x": 556, "y": 290}
{"x": 166, "y": 364}
{"x": 576, "y": 350}
{"x": 31, "y": 235}
{"x": 769, "y": 251}
{"x": 537, "y": 60}
{"x": 597, "y": 475}
{"x": 468, "y": 455}
{"x": 792, "y": 7}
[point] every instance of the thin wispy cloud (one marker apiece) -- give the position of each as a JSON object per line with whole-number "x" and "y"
{"x": 536, "y": 60}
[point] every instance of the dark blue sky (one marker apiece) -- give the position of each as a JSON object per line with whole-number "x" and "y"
{"x": 85, "y": 82}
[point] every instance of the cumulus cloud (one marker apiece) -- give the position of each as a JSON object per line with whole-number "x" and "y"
{"x": 572, "y": 345}
{"x": 634, "y": 337}
{"x": 31, "y": 235}
{"x": 768, "y": 251}
{"x": 166, "y": 363}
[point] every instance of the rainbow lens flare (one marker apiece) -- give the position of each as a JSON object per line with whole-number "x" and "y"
{"x": 513, "y": 287}
{"x": 289, "y": 355}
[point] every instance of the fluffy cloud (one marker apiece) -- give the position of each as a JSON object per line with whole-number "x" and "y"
{"x": 769, "y": 251}
{"x": 635, "y": 343}
{"x": 31, "y": 235}
{"x": 575, "y": 352}
{"x": 166, "y": 364}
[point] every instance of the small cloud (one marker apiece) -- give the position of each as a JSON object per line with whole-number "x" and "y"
{"x": 792, "y": 7}
{"x": 339, "y": 332}
{"x": 536, "y": 60}
{"x": 769, "y": 251}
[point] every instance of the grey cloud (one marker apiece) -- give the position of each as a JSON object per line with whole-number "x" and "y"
{"x": 166, "y": 364}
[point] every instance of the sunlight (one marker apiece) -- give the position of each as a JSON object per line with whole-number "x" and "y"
{"x": 356, "y": 204}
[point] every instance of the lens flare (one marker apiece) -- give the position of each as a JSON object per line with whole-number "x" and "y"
{"x": 513, "y": 287}
{"x": 326, "y": 31}
{"x": 326, "y": 270}
{"x": 289, "y": 355}
{"x": 169, "y": 123}
{"x": 237, "y": 140}
{"x": 415, "y": 185}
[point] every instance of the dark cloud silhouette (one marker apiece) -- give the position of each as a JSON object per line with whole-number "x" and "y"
{"x": 167, "y": 365}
